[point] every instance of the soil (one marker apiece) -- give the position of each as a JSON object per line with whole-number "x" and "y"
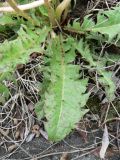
{"x": 42, "y": 148}
{"x": 73, "y": 144}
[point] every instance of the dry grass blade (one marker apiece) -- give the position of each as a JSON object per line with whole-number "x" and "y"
{"x": 18, "y": 121}
{"x": 105, "y": 143}
{"x": 12, "y": 147}
{"x": 17, "y": 116}
{"x": 101, "y": 4}
{"x": 23, "y": 7}
{"x": 16, "y": 144}
{"x": 61, "y": 7}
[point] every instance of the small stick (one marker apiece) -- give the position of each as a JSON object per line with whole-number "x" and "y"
{"x": 4, "y": 134}
{"x": 24, "y": 7}
{"x": 13, "y": 4}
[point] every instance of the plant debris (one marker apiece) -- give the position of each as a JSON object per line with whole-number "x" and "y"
{"x": 74, "y": 62}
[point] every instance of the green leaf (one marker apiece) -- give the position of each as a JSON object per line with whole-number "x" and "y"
{"x": 106, "y": 79}
{"x": 108, "y": 23}
{"x": 84, "y": 50}
{"x": 43, "y": 10}
{"x": 6, "y": 19}
{"x": 4, "y": 93}
{"x": 65, "y": 96}
{"x": 108, "y": 83}
{"x": 17, "y": 51}
{"x": 39, "y": 110}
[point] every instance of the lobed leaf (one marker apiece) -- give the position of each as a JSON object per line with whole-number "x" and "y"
{"x": 108, "y": 23}
{"x": 105, "y": 77}
{"x": 17, "y": 51}
{"x": 65, "y": 96}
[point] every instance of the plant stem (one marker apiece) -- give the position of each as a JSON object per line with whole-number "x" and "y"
{"x": 24, "y": 7}
{"x": 13, "y": 4}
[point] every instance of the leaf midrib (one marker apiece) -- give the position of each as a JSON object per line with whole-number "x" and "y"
{"x": 63, "y": 83}
{"x": 104, "y": 27}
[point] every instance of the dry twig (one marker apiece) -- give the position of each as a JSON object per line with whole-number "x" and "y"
{"x": 24, "y": 7}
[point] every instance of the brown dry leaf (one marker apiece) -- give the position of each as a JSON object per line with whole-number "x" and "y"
{"x": 96, "y": 152}
{"x": 30, "y": 137}
{"x": 36, "y": 130}
{"x": 44, "y": 134}
{"x": 7, "y": 132}
{"x": 65, "y": 156}
{"x": 81, "y": 128}
{"x": 22, "y": 131}
{"x": 15, "y": 121}
{"x": 105, "y": 143}
{"x": 17, "y": 134}
{"x": 37, "y": 134}
{"x": 12, "y": 147}
{"x": 111, "y": 152}
{"x": 20, "y": 68}
{"x": 36, "y": 127}
{"x": 31, "y": 107}
{"x": 34, "y": 55}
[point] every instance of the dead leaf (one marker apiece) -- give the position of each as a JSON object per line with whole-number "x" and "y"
{"x": 31, "y": 107}
{"x": 96, "y": 152}
{"x": 105, "y": 143}
{"x": 7, "y": 132}
{"x": 65, "y": 156}
{"x": 21, "y": 129}
{"x": 44, "y": 134}
{"x": 36, "y": 130}
{"x": 17, "y": 134}
{"x": 36, "y": 127}
{"x": 15, "y": 121}
{"x": 20, "y": 68}
{"x": 34, "y": 55}
{"x": 12, "y": 147}
{"x": 30, "y": 137}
